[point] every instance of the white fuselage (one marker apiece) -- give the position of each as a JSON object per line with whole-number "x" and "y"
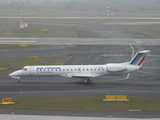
{"x": 75, "y": 71}
{"x": 84, "y": 71}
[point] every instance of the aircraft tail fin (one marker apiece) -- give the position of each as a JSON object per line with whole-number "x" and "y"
{"x": 138, "y": 59}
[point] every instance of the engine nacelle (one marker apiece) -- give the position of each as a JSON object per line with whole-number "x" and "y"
{"x": 116, "y": 68}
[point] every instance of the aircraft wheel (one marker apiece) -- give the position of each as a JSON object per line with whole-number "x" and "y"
{"x": 87, "y": 81}
{"x": 19, "y": 80}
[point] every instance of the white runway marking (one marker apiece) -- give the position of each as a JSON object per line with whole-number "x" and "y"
{"x": 17, "y": 41}
{"x": 7, "y": 38}
{"x": 34, "y": 117}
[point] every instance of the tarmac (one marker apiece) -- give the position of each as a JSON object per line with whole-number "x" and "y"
{"x": 139, "y": 84}
{"x": 97, "y": 44}
{"x": 80, "y": 41}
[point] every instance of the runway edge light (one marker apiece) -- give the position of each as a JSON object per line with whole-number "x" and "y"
{"x": 116, "y": 98}
{"x": 6, "y": 101}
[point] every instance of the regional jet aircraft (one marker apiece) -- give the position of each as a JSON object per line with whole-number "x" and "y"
{"x": 84, "y": 72}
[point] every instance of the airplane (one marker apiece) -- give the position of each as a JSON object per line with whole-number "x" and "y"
{"x": 84, "y": 72}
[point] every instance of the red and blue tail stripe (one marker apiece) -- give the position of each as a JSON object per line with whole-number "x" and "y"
{"x": 139, "y": 58}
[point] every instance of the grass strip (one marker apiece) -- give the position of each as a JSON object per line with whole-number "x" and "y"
{"x": 11, "y": 30}
{"x": 6, "y": 71}
{"x": 84, "y": 104}
{"x": 19, "y": 63}
{"x": 152, "y": 30}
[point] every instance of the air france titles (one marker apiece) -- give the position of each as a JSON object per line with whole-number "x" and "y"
{"x": 47, "y": 69}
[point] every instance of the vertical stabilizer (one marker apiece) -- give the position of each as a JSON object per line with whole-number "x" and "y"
{"x": 138, "y": 59}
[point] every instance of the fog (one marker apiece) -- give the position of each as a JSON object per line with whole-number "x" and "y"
{"x": 84, "y": 5}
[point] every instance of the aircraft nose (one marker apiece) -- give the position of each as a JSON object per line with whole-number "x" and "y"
{"x": 16, "y": 73}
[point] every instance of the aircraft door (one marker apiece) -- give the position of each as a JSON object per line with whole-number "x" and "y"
{"x": 31, "y": 70}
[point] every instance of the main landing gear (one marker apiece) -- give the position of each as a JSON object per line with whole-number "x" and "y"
{"x": 87, "y": 81}
{"x": 19, "y": 80}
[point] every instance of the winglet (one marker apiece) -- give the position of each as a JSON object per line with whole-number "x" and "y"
{"x": 138, "y": 59}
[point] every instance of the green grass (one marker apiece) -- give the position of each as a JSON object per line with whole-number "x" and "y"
{"x": 152, "y": 30}
{"x": 19, "y": 63}
{"x": 54, "y": 31}
{"x": 12, "y": 30}
{"x": 85, "y": 104}
{"x": 6, "y": 71}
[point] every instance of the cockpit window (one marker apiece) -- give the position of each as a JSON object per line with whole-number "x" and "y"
{"x": 24, "y": 69}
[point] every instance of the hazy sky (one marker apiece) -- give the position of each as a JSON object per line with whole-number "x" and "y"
{"x": 84, "y": 5}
